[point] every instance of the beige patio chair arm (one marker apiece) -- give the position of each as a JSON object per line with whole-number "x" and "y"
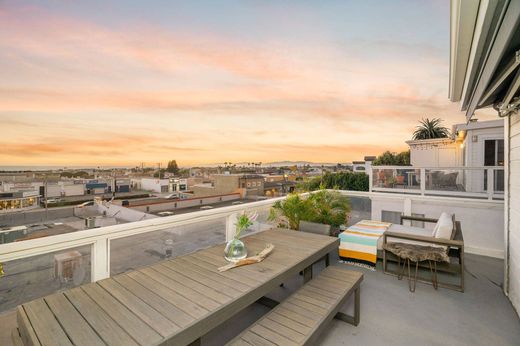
{"x": 437, "y": 241}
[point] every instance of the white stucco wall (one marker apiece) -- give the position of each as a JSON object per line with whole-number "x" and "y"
{"x": 482, "y": 221}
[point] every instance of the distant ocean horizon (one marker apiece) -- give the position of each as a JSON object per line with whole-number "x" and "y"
{"x": 50, "y": 168}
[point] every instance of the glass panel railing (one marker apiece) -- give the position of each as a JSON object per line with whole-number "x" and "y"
{"x": 452, "y": 180}
{"x": 129, "y": 253}
{"x": 405, "y": 178}
{"x": 30, "y": 278}
{"x": 446, "y": 181}
{"x": 144, "y": 249}
{"x": 361, "y": 209}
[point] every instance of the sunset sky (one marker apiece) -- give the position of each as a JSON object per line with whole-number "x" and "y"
{"x": 124, "y": 82}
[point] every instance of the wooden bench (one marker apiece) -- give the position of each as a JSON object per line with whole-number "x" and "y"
{"x": 300, "y": 319}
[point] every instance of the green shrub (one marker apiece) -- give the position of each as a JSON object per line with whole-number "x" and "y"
{"x": 327, "y": 207}
{"x": 341, "y": 181}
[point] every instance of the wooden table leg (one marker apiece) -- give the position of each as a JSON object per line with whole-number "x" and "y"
{"x": 307, "y": 274}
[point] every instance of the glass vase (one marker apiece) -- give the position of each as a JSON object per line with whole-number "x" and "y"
{"x": 235, "y": 250}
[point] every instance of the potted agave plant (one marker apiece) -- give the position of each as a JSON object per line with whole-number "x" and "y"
{"x": 235, "y": 249}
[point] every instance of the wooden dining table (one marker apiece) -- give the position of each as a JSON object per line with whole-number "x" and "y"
{"x": 172, "y": 302}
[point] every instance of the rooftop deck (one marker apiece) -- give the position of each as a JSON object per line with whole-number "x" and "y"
{"x": 482, "y": 313}
{"x": 391, "y": 315}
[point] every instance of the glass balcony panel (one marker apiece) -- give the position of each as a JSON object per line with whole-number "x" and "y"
{"x": 30, "y": 278}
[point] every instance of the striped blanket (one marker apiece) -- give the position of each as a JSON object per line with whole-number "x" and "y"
{"x": 359, "y": 241}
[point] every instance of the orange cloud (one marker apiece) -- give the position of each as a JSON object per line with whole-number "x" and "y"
{"x": 75, "y": 92}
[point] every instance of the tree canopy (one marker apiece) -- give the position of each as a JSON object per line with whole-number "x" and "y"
{"x": 430, "y": 129}
{"x": 172, "y": 167}
{"x": 389, "y": 158}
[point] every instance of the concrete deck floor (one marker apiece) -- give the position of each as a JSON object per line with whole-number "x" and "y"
{"x": 391, "y": 315}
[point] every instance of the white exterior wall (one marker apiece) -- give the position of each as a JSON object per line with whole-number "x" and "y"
{"x": 482, "y": 221}
{"x": 435, "y": 153}
{"x": 154, "y": 184}
{"x": 474, "y": 154}
{"x": 512, "y": 213}
{"x": 53, "y": 190}
{"x": 74, "y": 190}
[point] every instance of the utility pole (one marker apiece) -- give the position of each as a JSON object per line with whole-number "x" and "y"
{"x": 114, "y": 184}
{"x": 159, "y": 164}
{"x": 45, "y": 192}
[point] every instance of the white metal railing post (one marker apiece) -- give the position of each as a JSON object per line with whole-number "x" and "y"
{"x": 231, "y": 221}
{"x": 423, "y": 181}
{"x": 490, "y": 182}
{"x": 100, "y": 259}
{"x": 370, "y": 175}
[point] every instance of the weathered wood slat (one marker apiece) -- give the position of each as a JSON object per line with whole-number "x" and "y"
{"x": 299, "y": 319}
{"x": 289, "y": 323}
{"x": 196, "y": 287}
{"x": 215, "y": 281}
{"x": 242, "y": 342}
{"x": 78, "y": 330}
{"x": 159, "y": 303}
{"x": 297, "y": 236}
{"x": 146, "y": 313}
{"x": 282, "y": 252}
{"x": 272, "y": 336}
{"x": 270, "y": 267}
{"x": 177, "y": 301}
{"x": 198, "y": 261}
{"x": 42, "y": 320}
{"x": 133, "y": 325}
{"x": 281, "y": 329}
{"x": 256, "y": 340}
{"x": 174, "y": 298}
{"x": 179, "y": 288}
{"x": 311, "y": 308}
{"x": 309, "y": 298}
{"x": 295, "y": 316}
{"x": 320, "y": 292}
{"x": 101, "y": 322}
{"x": 27, "y": 332}
{"x": 292, "y": 240}
{"x": 286, "y": 242}
{"x": 238, "y": 284}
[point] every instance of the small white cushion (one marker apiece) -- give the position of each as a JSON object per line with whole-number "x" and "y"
{"x": 434, "y": 232}
{"x": 444, "y": 227}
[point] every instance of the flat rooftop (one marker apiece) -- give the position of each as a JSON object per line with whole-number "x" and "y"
{"x": 198, "y": 208}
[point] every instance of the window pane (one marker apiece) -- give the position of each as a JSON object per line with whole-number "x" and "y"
{"x": 489, "y": 153}
{"x": 500, "y": 152}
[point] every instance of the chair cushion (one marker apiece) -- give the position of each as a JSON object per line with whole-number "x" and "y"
{"x": 444, "y": 227}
